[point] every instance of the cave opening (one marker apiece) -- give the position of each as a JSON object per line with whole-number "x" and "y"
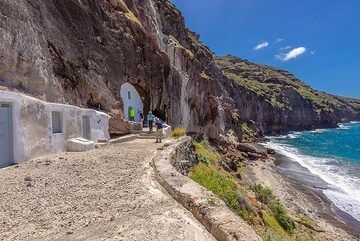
{"x": 160, "y": 114}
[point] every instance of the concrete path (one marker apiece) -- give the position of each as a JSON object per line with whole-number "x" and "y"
{"x": 106, "y": 194}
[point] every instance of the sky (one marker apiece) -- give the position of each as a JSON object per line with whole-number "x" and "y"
{"x": 317, "y": 40}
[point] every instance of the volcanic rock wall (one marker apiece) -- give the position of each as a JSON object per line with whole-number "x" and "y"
{"x": 80, "y": 52}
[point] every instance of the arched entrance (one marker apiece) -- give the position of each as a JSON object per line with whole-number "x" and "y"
{"x": 131, "y": 99}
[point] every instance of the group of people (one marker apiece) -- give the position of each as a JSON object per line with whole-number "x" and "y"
{"x": 153, "y": 120}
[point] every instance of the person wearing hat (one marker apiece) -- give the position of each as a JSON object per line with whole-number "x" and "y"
{"x": 150, "y": 119}
{"x": 159, "y": 129}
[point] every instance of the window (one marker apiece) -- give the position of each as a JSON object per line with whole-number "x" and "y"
{"x": 129, "y": 95}
{"x": 56, "y": 122}
{"x": 5, "y": 105}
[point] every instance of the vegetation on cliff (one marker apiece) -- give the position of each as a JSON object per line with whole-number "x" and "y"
{"x": 255, "y": 203}
{"x": 269, "y": 82}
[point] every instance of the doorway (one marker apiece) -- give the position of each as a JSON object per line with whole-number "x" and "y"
{"x": 86, "y": 127}
{"x": 6, "y": 157}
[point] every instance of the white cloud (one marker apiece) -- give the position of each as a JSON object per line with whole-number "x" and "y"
{"x": 279, "y": 40}
{"x": 285, "y": 48}
{"x": 261, "y": 45}
{"x": 294, "y": 53}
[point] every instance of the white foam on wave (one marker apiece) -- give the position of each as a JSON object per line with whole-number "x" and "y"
{"x": 344, "y": 126}
{"x": 319, "y": 131}
{"x": 291, "y": 135}
{"x": 343, "y": 202}
{"x": 346, "y": 189}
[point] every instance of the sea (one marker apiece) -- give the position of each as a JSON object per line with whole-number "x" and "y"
{"x": 331, "y": 154}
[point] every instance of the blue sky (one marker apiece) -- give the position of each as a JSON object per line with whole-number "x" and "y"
{"x": 320, "y": 39}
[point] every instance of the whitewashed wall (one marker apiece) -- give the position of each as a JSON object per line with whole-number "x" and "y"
{"x": 32, "y": 126}
{"x": 135, "y": 101}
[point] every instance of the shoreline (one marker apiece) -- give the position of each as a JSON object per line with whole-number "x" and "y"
{"x": 302, "y": 192}
{"x": 311, "y": 183}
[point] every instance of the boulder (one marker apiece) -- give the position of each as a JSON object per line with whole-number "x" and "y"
{"x": 254, "y": 156}
{"x": 270, "y": 151}
{"x": 118, "y": 125}
{"x": 229, "y": 165}
{"x": 246, "y": 147}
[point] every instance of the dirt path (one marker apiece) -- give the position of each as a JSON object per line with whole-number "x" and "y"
{"x": 105, "y": 194}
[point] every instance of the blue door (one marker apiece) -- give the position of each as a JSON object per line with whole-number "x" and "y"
{"x": 5, "y": 135}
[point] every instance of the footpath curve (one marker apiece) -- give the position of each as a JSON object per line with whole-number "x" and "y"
{"x": 105, "y": 194}
{"x": 217, "y": 218}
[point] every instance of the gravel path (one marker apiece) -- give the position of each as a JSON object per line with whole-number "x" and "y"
{"x": 105, "y": 194}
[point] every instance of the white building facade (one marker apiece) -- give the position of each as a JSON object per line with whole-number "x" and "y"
{"x": 131, "y": 99}
{"x": 31, "y": 128}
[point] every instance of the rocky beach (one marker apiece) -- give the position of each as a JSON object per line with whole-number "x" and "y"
{"x": 301, "y": 192}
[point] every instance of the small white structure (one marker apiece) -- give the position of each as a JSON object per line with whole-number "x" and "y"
{"x": 79, "y": 145}
{"x": 31, "y": 128}
{"x": 131, "y": 99}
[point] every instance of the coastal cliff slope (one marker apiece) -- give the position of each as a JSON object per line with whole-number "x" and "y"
{"x": 279, "y": 102}
{"x": 80, "y": 52}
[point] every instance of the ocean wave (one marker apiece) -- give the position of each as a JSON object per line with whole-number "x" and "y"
{"x": 319, "y": 131}
{"x": 344, "y": 126}
{"x": 291, "y": 135}
{"x": 343, "y": 202}
{"x": 345, "y": 192}
{"x": 348, "y": 125}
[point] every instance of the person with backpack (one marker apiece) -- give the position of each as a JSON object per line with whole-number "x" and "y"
{"x": 150, "y": 119}
{"x": 159, "y": 130}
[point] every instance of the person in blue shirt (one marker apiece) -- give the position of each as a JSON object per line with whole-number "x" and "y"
{"x": 150, "y": 119}
{"x": 159, "y": 130}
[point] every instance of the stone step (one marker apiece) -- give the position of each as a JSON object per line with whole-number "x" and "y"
{"x": 118, "y": 140}
{"x": 147, "y": 137}
{"x": 142, "y": 132}
{"x": 148, "y": 134}
{"x": 123, "y": 139}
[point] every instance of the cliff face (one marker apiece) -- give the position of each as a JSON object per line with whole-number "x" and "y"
{"x": 278, "y": 102}
{"x": 81, "y": 51}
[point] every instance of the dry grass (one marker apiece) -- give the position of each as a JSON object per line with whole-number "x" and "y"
{"x": 178, "y": 132}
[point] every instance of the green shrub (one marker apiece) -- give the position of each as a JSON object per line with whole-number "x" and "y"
{"x": 263, "y": 194}
{"x": 273, "y": 224}
{"x": 269, "y": 234}
{"x": 206, "y": 153}
{"x": 178, "y": 132}
{"x": 222, "y": 186}
{"x": 281, "y": 216}
{"x": 216, "y": 182}
{"x": 247, "y": 132}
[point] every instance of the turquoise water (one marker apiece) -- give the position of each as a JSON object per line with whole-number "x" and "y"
{"x": 334, "y": 156}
